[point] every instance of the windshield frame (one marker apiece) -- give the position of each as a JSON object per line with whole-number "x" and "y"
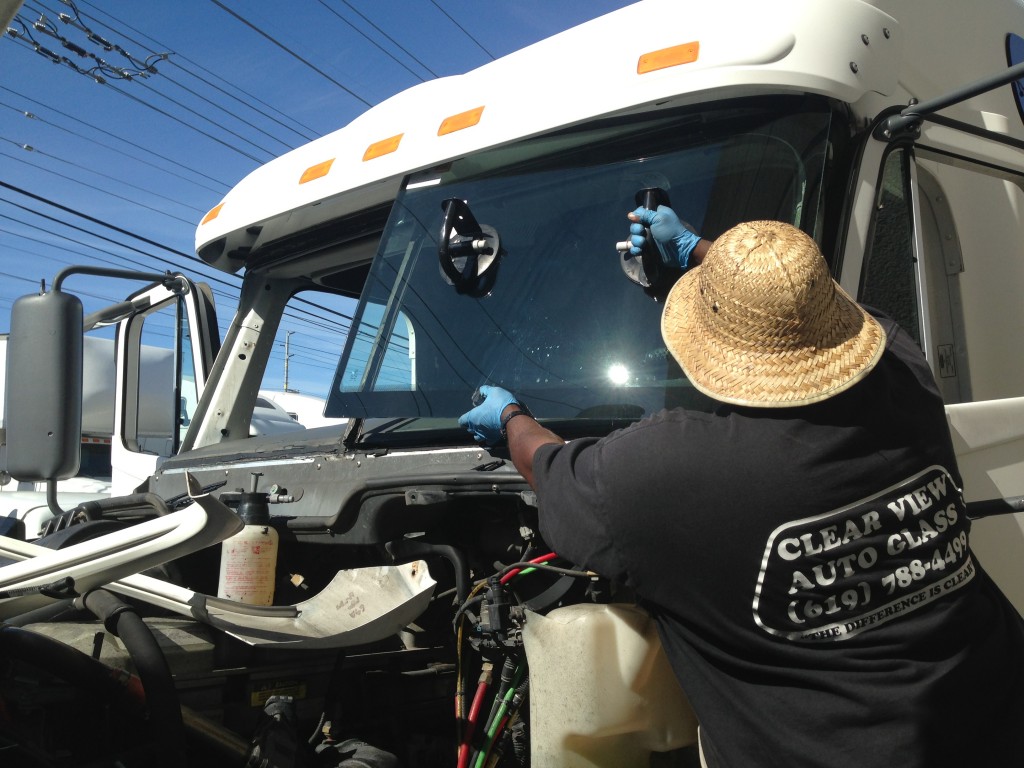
{"x": 588, "y": 148}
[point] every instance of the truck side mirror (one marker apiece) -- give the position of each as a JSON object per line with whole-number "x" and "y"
{"x": 44, "y": 387}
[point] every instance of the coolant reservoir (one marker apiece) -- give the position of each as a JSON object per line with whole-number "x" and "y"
{"x": 602, "y": 692}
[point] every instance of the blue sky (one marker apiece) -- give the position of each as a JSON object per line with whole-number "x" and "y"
{"x": 150, "y": 155}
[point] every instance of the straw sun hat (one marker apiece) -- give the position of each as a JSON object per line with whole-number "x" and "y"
{"x": 761, "y": 321}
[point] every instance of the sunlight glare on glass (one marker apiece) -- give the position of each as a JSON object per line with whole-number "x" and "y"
{"x": 618, "y": 374}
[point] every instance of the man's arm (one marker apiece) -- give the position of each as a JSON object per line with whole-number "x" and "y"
{"x": 699, "y": 251}
{"x": 524, "y": 437}
{"x": 499, "y": 416}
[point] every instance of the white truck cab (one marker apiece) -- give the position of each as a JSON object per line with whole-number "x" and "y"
{"x": 463, "y": 232}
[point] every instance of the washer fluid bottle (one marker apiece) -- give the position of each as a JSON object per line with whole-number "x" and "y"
{"x": 248, "y": 560}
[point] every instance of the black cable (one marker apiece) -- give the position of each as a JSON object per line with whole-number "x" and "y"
{"x": 393, "y": 41}
{"x": 463, "y": 609}
{"x": 269, "y": 153}
{"x": 150, "y": 69}
{"x": 120, "y": 152}
{"x": 371, "y": 41}
{"x": 549, "y": 568}
{"x": 182, "y": 122}
{"x": 223, "y": 186}
{"x": 453, "y": 21}
{"x": 290, "y": 52}
{"x": 310, "y": 133}
{"x": 87, "y": 217}
{"x": 94, "y": 188}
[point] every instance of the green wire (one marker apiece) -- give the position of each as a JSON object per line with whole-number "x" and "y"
{"x": 492, "y": 730}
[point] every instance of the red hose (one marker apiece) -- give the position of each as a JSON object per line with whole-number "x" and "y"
{"x": 471, "y": 722}
{"x": 542, "y": 559}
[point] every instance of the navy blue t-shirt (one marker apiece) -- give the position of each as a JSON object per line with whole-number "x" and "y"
{"x": 810, "y": 572}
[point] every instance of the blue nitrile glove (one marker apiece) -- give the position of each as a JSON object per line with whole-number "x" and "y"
{"x": 484, "y": 421}
{"x": 674, "y": 240}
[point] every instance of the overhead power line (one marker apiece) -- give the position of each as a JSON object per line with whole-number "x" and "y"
{"x": 317, "y": 312}
{"x": 464, "y": 31}
{"x": 269, "y": 154}
{"x": 188, "y": 125}
{"x": 83, "y": 183}
{"x": 121, "y": 139}
{"x": 76, "y": 21}
{"x": 35, "y": 150}
{"x": 290, "y": 52}
{"x": 393, "y": 41}
{"x": 306, "y": 133}
{"x": 109, "y": 73}
{"x": 99, "y": 69}
{"x": 94, "y": 220}
{"x": 121, "y": 152}
{"x": 371, "y": 41}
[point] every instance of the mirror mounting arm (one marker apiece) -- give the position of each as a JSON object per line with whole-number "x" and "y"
{"x": 908, "y": 121}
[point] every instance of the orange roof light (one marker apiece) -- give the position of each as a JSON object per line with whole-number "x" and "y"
{"x": 213, "y": 214}
{"x": 316, "y": 171}
{"x": 466, "y": 119}
{"x": 668, "y": 57}
{"x": 385, "y": 147}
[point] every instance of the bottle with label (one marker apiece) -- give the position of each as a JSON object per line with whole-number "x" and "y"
{"x": 248, "y": 560}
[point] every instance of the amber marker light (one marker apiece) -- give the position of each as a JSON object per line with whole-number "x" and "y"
{"x": 316, "y": 171}
{"x": 213, "y": 214}
{"x": 466, "y": 119}
{"x": 668, "y": 57}
{"x": 384, "y": 147}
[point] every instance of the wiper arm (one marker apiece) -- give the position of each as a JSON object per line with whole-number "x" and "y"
{"x": 353, "y": 432}
{"x": 357, "y": 429}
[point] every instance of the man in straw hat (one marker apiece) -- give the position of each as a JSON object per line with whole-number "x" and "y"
{"x": 804, "y": 546}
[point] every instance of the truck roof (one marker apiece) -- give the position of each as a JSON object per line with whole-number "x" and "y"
{"x": 653, "y": 54}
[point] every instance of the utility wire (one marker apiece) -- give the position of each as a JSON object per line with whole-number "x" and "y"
{"x": 93, "y": 220}
{"x": 167, "y": 262}
{"x": 203, "y": 117}
{"x": 393, "y": 41}
{"x": 233, "y": 115}
{"x": 453, "y": 21}
{"x": 153, "y": 107}
{"x": 231, "y": 296}
{"x": 119, "y": 263}
{"x": 142, "y": 68}
{"x": 101, "y": 191}
{"x": 120, "y": 152}
{"x": 44, "y": 26}
{"x": 90, "y": 252}
{"x": 114, "y": 260}
{"x": 183, "y": 122}
{"x": 223, "y": 186}
{"x": 309, "y": 132}
{"x": 35, "y": 150}
{"x": 22, "y": 32}
{"x": 79, "y": 24}
{"x": 377, "y": 45}
{"x": 290, "y": 52}
{"x": 83, "y": 183}
{"x": 318, "y": 311}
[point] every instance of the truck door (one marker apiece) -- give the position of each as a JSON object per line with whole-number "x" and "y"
{"x": 936, "y": 240}
{"x": 164, "y": 356}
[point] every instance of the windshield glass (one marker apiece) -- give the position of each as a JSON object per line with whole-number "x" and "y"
{"x": 554, "y": 318}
